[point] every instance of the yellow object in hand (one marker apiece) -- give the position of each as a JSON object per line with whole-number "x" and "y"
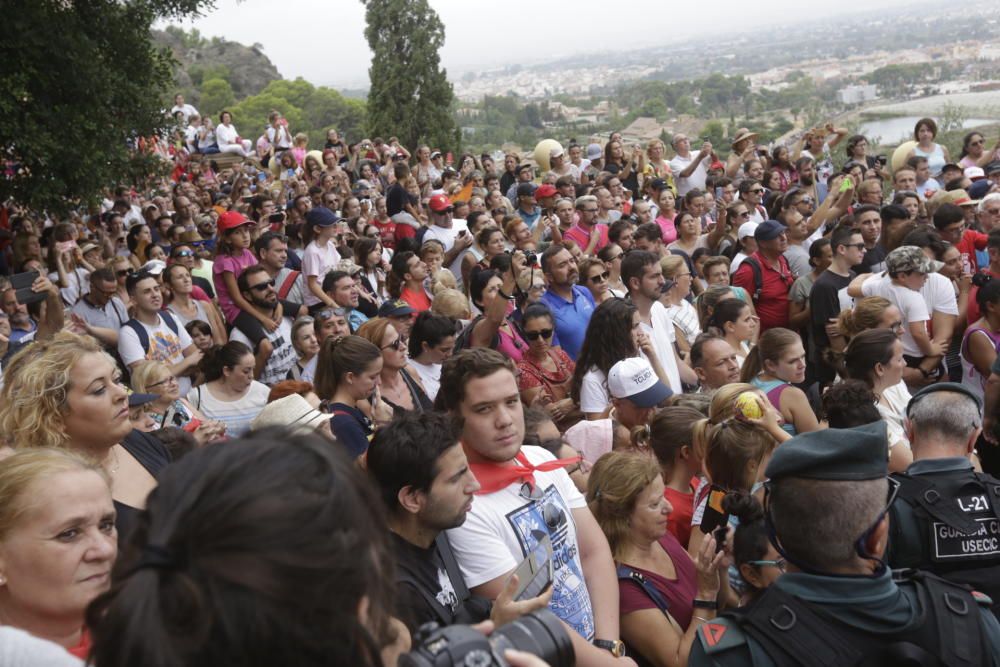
{"x": 749, "y": 404}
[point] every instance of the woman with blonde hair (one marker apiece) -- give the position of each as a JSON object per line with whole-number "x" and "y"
{"x": 58, "y": 543}
{"x": 171, "y": 409}
{"x": 676, "y": 291}
{"x": 678, "y": 593}
{"x": 67, "y": 392}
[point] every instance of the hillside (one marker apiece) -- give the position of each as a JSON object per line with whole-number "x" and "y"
{"x": 246, "y": 68}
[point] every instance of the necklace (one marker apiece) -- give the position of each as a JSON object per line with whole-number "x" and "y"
{"x": 116, "y": 464}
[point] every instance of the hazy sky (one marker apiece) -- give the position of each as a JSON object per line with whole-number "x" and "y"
{"x": 323, "y": 40}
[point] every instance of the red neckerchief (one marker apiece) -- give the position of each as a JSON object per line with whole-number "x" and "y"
{"x": 494, "y": 477}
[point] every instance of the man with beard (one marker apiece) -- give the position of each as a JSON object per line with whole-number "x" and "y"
{"x": 806, "y": 167}
{"x": 571, "y": 304}
{"x": 427, "y": 486}
{"x": 766, "y": 276}
{"x": 274, "y": 355}
{"x": 868, "y": 220}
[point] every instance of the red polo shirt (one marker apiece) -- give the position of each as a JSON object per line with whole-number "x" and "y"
{"x": 772, "y": 306}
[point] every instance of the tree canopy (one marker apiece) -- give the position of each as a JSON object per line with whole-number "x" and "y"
{"x": 82, "y": 84}
{"x": 410, "y": 96}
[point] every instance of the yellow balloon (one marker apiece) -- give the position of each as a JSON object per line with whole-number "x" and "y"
{"x": 899, "y": 155}
{"x": 748, "y": 404}
{"x": 542, "y": 151}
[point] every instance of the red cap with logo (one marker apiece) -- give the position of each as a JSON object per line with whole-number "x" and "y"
{"x": 439, "y": 203}
{"x": 545, "y": 190}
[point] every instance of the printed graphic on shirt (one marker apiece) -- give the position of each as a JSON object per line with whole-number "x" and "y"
{"x": 165, "y": 346}
{"x": 446, "y": 595}
{"x": 550, "y": 516}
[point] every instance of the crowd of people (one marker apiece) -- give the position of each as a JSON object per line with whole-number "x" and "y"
{"x": 295, "y": 403}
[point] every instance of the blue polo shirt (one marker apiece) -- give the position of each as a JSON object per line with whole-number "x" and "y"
{"x": 571, "y": 317}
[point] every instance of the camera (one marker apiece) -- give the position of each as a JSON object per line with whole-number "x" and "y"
{"x": 539, "y": 633}
{"x": 530, "y": 258}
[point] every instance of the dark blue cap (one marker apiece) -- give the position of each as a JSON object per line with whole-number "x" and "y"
{"x": 769, "y": 230}
{"x": 321, "y": 216}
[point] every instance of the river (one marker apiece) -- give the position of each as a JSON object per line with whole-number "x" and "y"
{"x": 895, "y": 130}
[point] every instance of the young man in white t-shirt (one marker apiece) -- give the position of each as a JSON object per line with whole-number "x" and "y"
{"x": 643, "y": 277}
{"x": 906, "y": 273}
{"x": 170, "y": 345}
{"x": 526, "y": 496}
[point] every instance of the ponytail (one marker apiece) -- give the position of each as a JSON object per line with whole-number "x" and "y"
{"x": 752, "y": 365}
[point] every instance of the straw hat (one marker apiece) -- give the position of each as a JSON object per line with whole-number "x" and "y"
{"x": 743, "y": 134}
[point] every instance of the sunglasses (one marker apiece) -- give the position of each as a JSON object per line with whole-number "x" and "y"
{"x": 396, "y": 345}
{"x": 124, "y": 272}
{"x": 600, "y": 277}
{"x": 262, "y": 287}
{"x": 499, "y": 211}
{"x": 534, "y": 335}
{"x": 756, "y": 190}
{"x": 184, "y": 253}
{"x": 779, "y": 563}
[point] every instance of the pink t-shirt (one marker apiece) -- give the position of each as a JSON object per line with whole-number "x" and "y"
{"x": 579, "y": 236}
{"x": 668, "y": 229}
{"x": 236, "y": 266}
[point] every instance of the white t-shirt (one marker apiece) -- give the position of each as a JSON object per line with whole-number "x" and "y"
{"x": 503, "y": 527}
{"x": 77, "y": 284}
{"x": 282, "y": 358}
{"x": 165, "y": 346}
{"x": 430, "y": 377}
{"x": 226, "y": 135}
{"x": 911, "y": 304}
{"x": 594, "y": 396}
{"x": 317, "y": 261}
{"x": 939, "y": 293}
{"x": 21, "y": 649}
{"x": 696, "y": 179}
{"x": 685, "y": 317}
{"x": 236, "y": 415}
{"x": 447, "y": 236}
{"x": 662, "y": 334}
{"x": 186, "y": 111}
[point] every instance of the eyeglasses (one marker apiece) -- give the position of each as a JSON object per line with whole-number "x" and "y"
{"x": 896, "y": 326}
{"x": 600, "y": 277}
{"x": 167, "y": 380}
{"x": 331, "y": 312}
{"x": 992, "y": 211}
{"x": 499, "y": 211}
{"x": 261, "y": 287}
{"x": 756, "y": 190}
{"x": 743, "y": 214}
{"x": 859, "y": 246}
{"x": 396, "y": 345}
{"x": 779, "y": 563}
{"x": 184, "y": 253}
{"x": 534, "y": 335}
{"x": 589, "y": 210}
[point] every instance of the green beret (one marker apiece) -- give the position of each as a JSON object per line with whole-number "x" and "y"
{"x": 835, "y": 453}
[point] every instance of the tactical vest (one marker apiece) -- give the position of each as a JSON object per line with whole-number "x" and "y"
{"x": 955, "y": 516}
{"x": 792, "y": 632}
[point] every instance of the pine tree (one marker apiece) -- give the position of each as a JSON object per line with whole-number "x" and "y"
{"x": 410, "y": 96}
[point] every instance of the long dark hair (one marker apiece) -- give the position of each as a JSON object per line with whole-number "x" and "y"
{"x": 608, "y": 341}
{"x": 868, "y": 348}
{"x": 227, "y": 566}
{"x": 219, "y": 357}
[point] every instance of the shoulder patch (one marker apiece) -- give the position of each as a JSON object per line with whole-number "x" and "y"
{"x": 720, "y": 635}
{"x": 982, "y": 598}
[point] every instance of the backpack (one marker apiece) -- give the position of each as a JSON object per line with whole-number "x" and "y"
{"x": 140, "y": 329}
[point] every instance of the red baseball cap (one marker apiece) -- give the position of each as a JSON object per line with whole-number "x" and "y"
{"x": 232, "y": 220}
{"x": 545, "y": 190}
{"x": 439, "y": 203}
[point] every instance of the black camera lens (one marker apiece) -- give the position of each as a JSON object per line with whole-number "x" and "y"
{"x": 539, "y": 633}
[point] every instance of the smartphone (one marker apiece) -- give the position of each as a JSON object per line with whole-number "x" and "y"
{"x": 463, "y": 233}
{"x": 845, "y": 184}
{"x": 720, "y": 538}
{"x": 276, "y": 217}
{"x": 261, "y": 176}
{"x": 21, "y": 284}
{"x": 534, "y": 573}
{"x": 63, "y": 246}
{"x": 714, "y": 517}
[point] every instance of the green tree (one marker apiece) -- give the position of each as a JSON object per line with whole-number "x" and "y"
{"x": 216, "y": 95}
{"x": 82, "y": 85}
{"x": 410, "y": 96}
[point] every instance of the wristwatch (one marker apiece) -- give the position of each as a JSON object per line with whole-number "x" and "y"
{"x": 614, "y": 646}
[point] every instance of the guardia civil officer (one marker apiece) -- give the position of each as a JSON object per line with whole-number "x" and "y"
{"x": 838, "y": 604}
{"x": 946, "y": 517}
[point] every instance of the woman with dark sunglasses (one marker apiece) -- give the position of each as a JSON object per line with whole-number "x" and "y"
{"x": 611, "y": 255}
{"x": 594, "y": 276}
{"x": 401, "y": 389}
{"x": 545, "y": 371}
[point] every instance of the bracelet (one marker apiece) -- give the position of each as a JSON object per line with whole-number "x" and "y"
{"x": 504, "y": 296}
{"x": 702, "y": 618}
{"x": 705, "y": 604}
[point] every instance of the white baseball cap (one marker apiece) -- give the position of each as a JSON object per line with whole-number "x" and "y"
{"x": 746, "y": 229}
{"x": 634, "y": 379}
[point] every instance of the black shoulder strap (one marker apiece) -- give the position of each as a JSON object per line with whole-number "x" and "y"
{"x": 451, "y": 566}
{"x": 625, "y": 573}
{"x": 443, "y": 618}
{"x": 919, "y": 491}
{"x": 140, "y": 331}
{"x": 758, "y": 278}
